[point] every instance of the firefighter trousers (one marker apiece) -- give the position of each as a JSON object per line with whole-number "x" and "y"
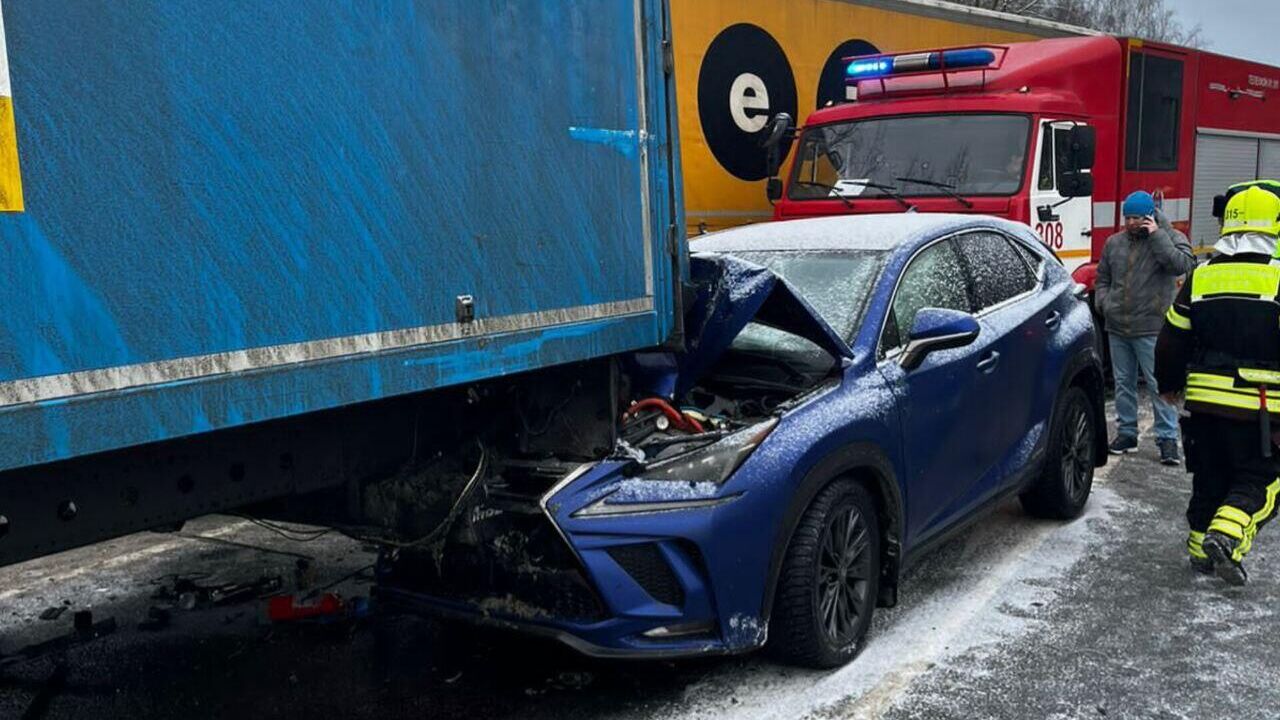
{"x": 1233, "y": 486}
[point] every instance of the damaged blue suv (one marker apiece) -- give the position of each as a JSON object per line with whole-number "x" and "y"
{"x": 851, "y": 391}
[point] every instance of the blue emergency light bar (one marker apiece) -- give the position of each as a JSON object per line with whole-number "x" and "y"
{"x": 919, "y": 62}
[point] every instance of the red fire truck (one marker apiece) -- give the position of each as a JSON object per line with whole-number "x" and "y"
{"x": 1052, "y": 133}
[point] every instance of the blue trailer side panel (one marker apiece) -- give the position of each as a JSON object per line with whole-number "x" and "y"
{"x": 237, "y": 211}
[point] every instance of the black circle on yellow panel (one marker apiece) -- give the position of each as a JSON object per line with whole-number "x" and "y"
{"x": 745, "y": 79}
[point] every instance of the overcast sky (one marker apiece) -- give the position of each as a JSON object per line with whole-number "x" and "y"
{"x": 1241, "y": 28}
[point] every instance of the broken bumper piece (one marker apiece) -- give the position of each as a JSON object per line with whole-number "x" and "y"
{"x": 610, "y": 566}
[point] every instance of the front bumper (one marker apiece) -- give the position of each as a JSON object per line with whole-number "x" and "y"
{"x": 594, "y": 641}
{"x": 642, "y": 585}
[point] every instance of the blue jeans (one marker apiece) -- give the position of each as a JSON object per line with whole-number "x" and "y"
{"x": 1128, "y": 356}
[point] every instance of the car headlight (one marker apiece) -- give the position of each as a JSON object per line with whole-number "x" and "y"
{"x": 714, "y": 463}
{"x": 687, "y": 481}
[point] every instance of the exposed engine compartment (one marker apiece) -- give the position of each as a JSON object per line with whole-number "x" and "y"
{"x": 469, "y": 523}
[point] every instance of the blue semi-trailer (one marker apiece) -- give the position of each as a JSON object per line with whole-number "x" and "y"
{"x": 254, "y": 249}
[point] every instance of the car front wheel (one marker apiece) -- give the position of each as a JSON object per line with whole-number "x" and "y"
{"x": 1067, "y": 479}
{"x": 829, "y": 581}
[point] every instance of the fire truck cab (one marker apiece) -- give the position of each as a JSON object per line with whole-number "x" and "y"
{"x": 1052, "y": 133}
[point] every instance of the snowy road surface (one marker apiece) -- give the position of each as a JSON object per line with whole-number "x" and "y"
{"x": 1016, "y": 618}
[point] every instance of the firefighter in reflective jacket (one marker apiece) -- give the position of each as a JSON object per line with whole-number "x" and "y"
{"x": 1220, "y": 344}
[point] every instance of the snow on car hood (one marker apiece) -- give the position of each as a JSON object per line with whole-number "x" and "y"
{"x": 730, "y": 293}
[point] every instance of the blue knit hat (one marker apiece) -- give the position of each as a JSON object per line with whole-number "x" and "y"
{"x": 1139, "y": 204}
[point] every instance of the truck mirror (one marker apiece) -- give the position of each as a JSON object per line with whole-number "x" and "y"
{"x": 1075, "y": 184}
{"x": 773, "y": 189}
{"x": 1219, "y": 206}
{"x": 778, "y": 129}
{"x": 1084, "y": 146}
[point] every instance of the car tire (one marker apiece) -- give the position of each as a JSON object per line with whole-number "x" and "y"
{"x": 1064, "y": 484}
{"x": 829, "y": 581}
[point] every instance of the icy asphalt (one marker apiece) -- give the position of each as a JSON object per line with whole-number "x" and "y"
{"x": 1016, "y": 618}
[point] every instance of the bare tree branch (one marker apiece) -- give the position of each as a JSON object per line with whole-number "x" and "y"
{"x": 1149, "y": 19}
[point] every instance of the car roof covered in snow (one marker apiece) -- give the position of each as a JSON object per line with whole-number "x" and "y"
{"x": 845, "y": 232}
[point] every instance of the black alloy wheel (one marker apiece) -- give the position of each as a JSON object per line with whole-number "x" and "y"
{"x": 844, "y": 575}
{"x": 830, "y": 579}
{"x": 1064, "y": 485}
{"x": 1077, "y": 453}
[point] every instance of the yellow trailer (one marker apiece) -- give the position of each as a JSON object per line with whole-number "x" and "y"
{"x": 738, "y": 62}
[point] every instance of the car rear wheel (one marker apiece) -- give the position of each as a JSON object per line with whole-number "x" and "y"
{"x": 829, "y": 581}
{"x": 1067, "y": 479}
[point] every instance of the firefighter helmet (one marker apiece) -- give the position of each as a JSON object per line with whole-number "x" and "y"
{"x": 1220, "y": 201}
{"x": 1252, "y": 210}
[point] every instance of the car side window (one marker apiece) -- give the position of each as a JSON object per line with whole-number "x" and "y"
{"x": 998, "y": 271}
{"x": 934, "y": 278}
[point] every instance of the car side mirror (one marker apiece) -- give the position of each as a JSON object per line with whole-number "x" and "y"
{"x": 773, "y": 189}
{"x": 778, "y": 130}
{"x": 1083, "y": 141}
{"x": 935, "y": 329}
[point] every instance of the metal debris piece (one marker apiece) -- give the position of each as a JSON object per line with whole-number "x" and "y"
{"x": 53, "y": 613}
{"x": 188, "y": 594}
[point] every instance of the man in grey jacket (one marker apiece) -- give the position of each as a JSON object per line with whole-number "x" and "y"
{"x": 1137, "y": 280}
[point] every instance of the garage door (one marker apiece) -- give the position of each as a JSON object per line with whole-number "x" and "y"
{"x": 1269, "y": 159}
{"x": 1221, "y": 161}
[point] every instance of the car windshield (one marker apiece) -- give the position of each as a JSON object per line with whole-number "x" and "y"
{"x": 836, "y": 284}
{"x": 919, "y": 155}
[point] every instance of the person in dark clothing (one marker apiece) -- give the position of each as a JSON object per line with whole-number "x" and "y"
{"x": 1220, "y": 345}
{"x": 1137, "y": 279}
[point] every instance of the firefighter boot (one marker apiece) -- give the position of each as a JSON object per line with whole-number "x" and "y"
{"x": 1195, "y": 550}
{"x": 1220, "y": 549}
{"x": 1203, "y": 565}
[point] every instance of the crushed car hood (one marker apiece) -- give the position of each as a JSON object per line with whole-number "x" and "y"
{"x": 730, "y": 293}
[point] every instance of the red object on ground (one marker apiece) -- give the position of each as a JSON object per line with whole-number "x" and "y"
{"x": 283, "y": 608}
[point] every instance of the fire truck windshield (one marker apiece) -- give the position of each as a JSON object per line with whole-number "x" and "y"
{"x": 963, "y": 155}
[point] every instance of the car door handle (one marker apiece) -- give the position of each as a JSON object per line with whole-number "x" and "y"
{"x": 989, "y": 362}
{"x": 1054, "y": 320}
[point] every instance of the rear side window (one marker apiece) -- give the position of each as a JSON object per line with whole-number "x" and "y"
{"x": 1034, "y": 259}
{"x": 1155, "y": 110}
{"x": 934, "y": 279}
{"x": 999, "y": 272}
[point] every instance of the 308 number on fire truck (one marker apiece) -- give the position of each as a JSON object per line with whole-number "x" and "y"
{"x": 1050, "y": 234}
